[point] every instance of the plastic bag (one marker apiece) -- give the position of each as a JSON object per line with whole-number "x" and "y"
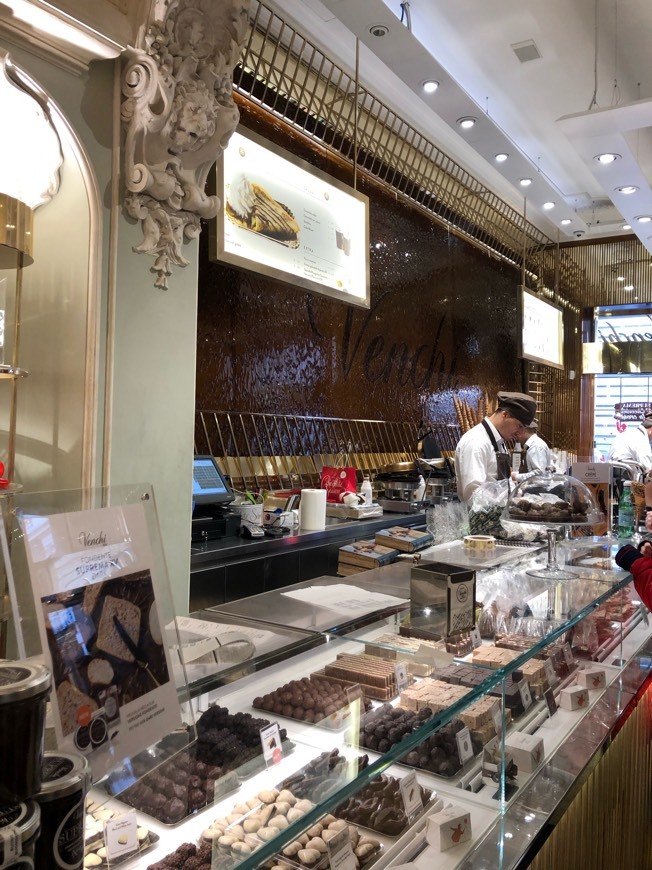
{"x": 486, "y": 508}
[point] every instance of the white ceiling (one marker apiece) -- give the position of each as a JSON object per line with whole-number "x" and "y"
{"x": 521, "y": 108}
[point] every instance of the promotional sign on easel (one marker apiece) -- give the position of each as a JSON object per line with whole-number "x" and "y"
{"x": 98, "y": 598}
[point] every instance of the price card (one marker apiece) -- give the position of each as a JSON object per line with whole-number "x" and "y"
{"x": 411, "y": 794}
{"x": 497, "y": 716}
{"x": 225, "y": 784}
{"x": 121, "y": 836}
{"x": 340, "y": 852}
{"x": 568, "y": 655}
{"x": 464, "y": 745}
{"x": 549, "y": 695}
{"x": 524, "y": 691}
{"x": 476, "y": 640}
{"x": 549, "y": 668}
{"x": 402, "y": 679}
{"x": 436, "y": 658}
{"x": 270, "y": 738}
{"x": 11, "y": 846}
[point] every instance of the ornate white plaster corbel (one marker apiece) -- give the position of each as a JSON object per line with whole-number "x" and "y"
{"x": 178, "y": 114}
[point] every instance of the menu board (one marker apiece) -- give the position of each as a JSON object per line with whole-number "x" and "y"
{"x": 284, "y": 218}
{"x": 542, "y": 330}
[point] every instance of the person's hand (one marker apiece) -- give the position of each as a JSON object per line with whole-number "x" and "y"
{"x": 514, "y": 477}
{"x": 648, "y": 521}
{"x": 645, "y": 548}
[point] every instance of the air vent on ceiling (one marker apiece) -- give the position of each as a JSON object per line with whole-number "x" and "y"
{"x": 525, "y": 51}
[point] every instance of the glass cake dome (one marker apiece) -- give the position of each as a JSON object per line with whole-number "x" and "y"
{"x": 552, "y": 500}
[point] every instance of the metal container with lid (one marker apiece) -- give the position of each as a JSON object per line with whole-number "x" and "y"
{"x": 66, "y": 779}
{"x": 24, "y": 690}
{"x": 19, "y": 828}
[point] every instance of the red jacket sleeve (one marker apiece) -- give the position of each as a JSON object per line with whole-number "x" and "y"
{"x": 641, "y": 571}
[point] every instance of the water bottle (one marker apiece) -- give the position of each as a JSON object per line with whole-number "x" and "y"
{"x": 368, "y": 492}
{"x": 626, "y": 512}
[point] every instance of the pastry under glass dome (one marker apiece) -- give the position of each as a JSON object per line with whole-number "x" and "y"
{"x": 552, "y": 500}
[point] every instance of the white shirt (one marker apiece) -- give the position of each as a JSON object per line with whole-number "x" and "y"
{"x": 537, "y": 457}
{"x": 632, "y": 445}
{"x": 475, "y": 459}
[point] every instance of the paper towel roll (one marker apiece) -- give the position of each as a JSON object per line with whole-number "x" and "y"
{"x": 312, "y": 510}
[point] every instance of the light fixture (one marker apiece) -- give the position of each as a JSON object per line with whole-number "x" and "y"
{"x": 644, "y": 218}
{"x": 430, "y": 86}
{"x": 525, "y": 182}
{"x": 620, "y": 278}
{"x": 627, "y": 189}
{"x": 626, "y": 227}
{"x": 466, "y": 122}
{"x": 548, "y": 205}
{"x": 565, "y": 222}
{"x": 628, "y": 287}
{"x": 379, "y": 30}
{"x": 501, "y": 157}
{"x": 606, "y": 158}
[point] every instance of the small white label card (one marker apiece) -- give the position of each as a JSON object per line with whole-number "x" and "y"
{"x": 121, "y": 836}
{"x": 402, "y": 679}
{"x": 549, "y": 668}
{"x": 476, "y": 640}
{"x": 549, "y": 695}
{"x": 225, "y": 784}
{"x": 270, "y": 738}
{"x": 411, "y": 793}
{"x": 436, "y": 658}
{"x": 340, "y": 852}
{"x": 568, "y": 655}
{"x": 524, "y": 691}
{"x": 497, "y": 715}
{"x": 464, "y": 745}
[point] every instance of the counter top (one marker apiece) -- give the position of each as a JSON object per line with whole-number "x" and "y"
{"x": 235, "y": 547}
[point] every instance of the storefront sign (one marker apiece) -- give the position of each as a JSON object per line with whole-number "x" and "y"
{"x": 286, "y": 219}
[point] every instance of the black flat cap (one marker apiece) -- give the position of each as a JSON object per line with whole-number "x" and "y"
{"x": 519, "y": 405}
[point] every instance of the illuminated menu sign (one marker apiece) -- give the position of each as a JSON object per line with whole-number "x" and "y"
{"x": 542, "y": 330}
{"x": 284, "y": 218}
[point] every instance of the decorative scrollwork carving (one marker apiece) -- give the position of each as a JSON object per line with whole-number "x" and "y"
{"x": 178, "y": 114}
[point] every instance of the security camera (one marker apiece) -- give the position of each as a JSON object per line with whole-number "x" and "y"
{"x": 578, "y": 234}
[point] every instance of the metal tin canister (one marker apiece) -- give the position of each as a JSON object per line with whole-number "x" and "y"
{"x": 65, "y": 781}
{"x": 24, "y": 690}
{"x": 19, "y": 829}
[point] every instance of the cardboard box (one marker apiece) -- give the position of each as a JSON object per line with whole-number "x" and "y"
{"x": 449, "y": 827}
{"x": 442, "y": 598}
{"x": 527, "y": 750}
{"x": 574, "y": 698}
{"x": 592, "y": 678}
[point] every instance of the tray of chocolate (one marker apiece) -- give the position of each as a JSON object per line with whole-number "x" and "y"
{"x": 469, "y": 677}
{"x": 375, "y": 676}
{"x": 232, "y": 741}
{"x": 386, "y": 726}
{"x": 94, "y": 847}
{"x": 188, "y": 856}
{"x": 310, "y": 851}
{"x": 380, "y": 806}
{"x": 176, "y": 788}
{"x": 496, "y": 657}
{"x": 459, "y": 644}
{"x": 316, "y": 700}
{"x": 547, "y": 508}
{"x": 324, "y": 775}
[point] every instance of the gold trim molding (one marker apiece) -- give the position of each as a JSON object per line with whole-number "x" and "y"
{"x": 16, "y": 225}
{"x": 178, "y": 114}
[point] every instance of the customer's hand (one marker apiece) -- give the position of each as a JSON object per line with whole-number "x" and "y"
{"x": 648, "y": 521}
{"x": 645, "y": 548}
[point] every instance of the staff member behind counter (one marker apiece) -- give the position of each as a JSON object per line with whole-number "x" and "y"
{"x": 481, "y": 454}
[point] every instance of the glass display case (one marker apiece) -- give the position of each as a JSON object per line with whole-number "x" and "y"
{"x": 368, "y": 742}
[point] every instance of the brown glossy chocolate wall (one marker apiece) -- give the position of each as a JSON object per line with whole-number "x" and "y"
{"x": 442, "y": 318}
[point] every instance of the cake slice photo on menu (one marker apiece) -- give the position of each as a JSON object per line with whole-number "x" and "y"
{"x": 404, "y": 539}
{"x": 251, "y": 207}
{"x": 367, "y": 554}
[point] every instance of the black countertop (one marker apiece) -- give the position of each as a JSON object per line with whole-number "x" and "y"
{"x": 235, "y": 548}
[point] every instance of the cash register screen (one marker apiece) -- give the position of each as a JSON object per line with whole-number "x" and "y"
{"x": 208, "y": 483}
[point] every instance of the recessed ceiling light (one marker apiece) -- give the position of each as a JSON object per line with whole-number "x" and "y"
{"x": 606, "y": 158}
{"x": 626, "y": 227}
{"x": 548, "y": 205}
{"x": 644, "y": 218}
{"x": 466, "y": 122}
{"x": 565, "y": 222}
{"x": 620, "y": 278}
{"x": 430, "y": 86}
{"x": 501, "y": 157}
{"x": 629, "y": 287}
{"x": 628, "y": 188}
{"x": 525, "y": 182}
{"x": 379, "y": 30}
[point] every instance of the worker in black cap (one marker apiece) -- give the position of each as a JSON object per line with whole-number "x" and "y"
{"x": 481, "y": 454}
{"x": 633, "y": 445}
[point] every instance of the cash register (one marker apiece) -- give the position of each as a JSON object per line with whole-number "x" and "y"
{"x": 211, "y": 497}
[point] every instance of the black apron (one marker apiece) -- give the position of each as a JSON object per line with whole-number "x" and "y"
{"x": 503, "y": 462}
